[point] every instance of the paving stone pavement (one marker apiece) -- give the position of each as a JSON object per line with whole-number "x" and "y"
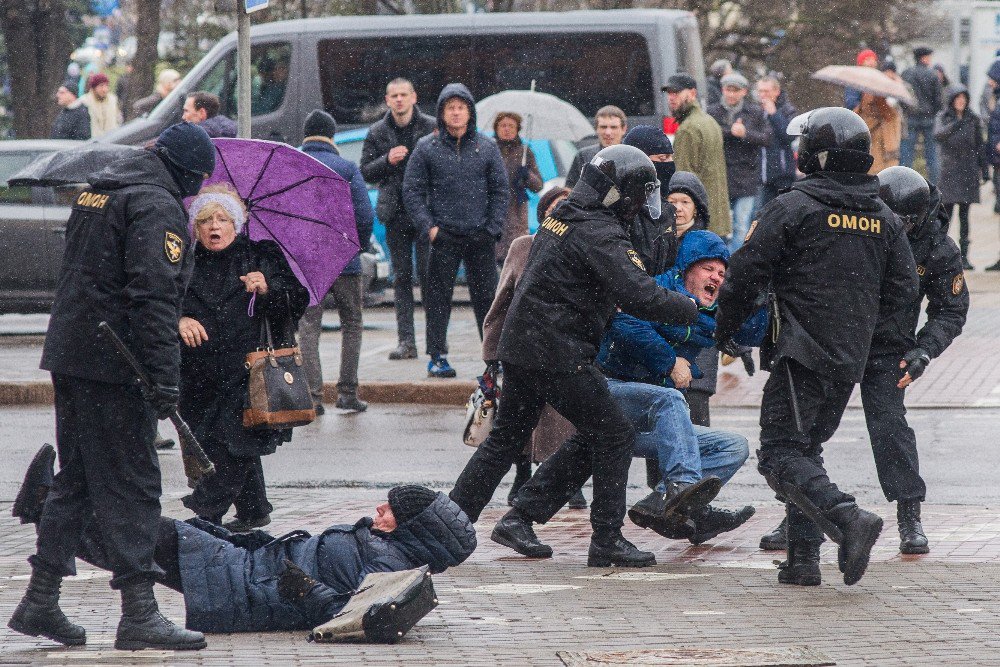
{"x": 501, "y": 609}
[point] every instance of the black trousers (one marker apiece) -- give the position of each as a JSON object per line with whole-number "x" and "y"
{"x": 404, "y": 242}
{"x": 601, "y": 447}
{"x": 963, "y": 226}
{"x": 477, "y": 252}
{"x": 698, "y": 404}
{"x": 108, "y": 472}
{"x": 237, "y": 480}
{"x": 894, "y": 444}
{"x": 93, "y": 549}
{"x": 789, "y": 456}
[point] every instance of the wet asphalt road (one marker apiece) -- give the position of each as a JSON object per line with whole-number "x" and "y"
{"x": 363, "y": 454}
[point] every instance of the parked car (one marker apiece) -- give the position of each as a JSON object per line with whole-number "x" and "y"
{"x": 33, "y": 233}
{"x": 341, "y": 64}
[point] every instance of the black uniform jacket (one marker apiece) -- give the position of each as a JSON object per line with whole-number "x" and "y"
{"x": 942, "y": 281}
{"x": 835, "y": 256}
{"x": 581, "y": 267}
{"x": 127, "y": 262}
{"x": 213, "y": 376}
{"x": 656, "y": 240}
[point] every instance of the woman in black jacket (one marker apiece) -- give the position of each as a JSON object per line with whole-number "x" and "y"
{"x": 236, "y": 284}
{"x": 959, "y": 133}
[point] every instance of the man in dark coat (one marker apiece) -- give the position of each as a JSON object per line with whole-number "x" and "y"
{"x": 835, "y": 256}
{"x": 610, "y": 124}
{"x": 126, "y": 263}
{"x": 456, "y": 191}
{"x": 348, "y": 290}
{"x": 73, "y": 121}
{"x": 927, "y": 89}
{"x": 581, "y": 268}
{"x": 746, "y": 133}
{"x": 384, "y": 157}
{"x": 254, "y": 582}
{"x": 779, "y": 164}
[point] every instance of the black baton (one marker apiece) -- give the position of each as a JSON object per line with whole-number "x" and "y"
{"x": 196, "y": 462}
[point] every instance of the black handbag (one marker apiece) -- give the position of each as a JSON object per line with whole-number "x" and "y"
{"x": 278, "y": 394}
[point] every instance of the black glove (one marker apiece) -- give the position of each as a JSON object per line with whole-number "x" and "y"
{"x": 294, "y": 584}
{"x": 163, "y": 398}
{"x": 916, "y": 361}
{"x": 747, "y": 358}
{"x": 736, "y": 351}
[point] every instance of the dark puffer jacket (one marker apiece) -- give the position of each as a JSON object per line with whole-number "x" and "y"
{"x": 228, "y": 588}
{"x": 459, "y": 185}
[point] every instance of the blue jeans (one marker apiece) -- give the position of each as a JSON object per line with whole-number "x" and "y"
{"x": 685, "y": 452}
{"x": 742, "y": 210}
{"x": 908, "y": 147}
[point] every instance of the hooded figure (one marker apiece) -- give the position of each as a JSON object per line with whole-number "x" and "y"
{"x": 637, "y": 350}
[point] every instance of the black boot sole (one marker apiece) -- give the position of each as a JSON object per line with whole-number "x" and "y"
{"x": 609, "y": 561}
{"x": 698, "y": 495}
{"x": 16, "y": 626}
{"x": 768, "y": 543}
{"x": 544, "y": 551}
{"x": 914, "y": 551}
{"x": 43, "y": 460}
{"x": 133, "y": 645}
{"x": 853, "y": 571}
{"x": 800, "y": 579}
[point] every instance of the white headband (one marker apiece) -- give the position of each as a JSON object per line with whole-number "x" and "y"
{"x": 226, "y": 201}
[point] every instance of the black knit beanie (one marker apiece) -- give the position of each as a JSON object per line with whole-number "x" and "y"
{"x": 408, "y": 501}
{"x": 319, "y": 124}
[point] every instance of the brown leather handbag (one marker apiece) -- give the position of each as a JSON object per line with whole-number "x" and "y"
{"x": 278, "y": 396}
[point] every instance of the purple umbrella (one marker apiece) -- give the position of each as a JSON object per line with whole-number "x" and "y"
{"x": 296, "y": 201}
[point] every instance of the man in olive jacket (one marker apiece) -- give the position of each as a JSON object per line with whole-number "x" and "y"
{"x": 698, "y": 149}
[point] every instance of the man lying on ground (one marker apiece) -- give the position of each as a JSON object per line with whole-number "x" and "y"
{"x": 253, "y": 582}
{"x": 647, "y": 364}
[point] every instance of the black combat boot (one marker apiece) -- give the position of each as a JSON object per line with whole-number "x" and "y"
{"x": 515, "y": 531}
{"x": 681, "y": 499}
{"x": 860, "y": 530}
{"x": 39, "y": 614}
{"x": 710, "y": 522}
{"x": 612, "y": 549}
{"x": 911, "y": 532}
{"x": 143, "y": 626}
{"x": 802, "y": 565}
{"x": 649, "y": 513}
{"x": 777, "y": 539}
{"x": 522, "y": 473}
{"x": 35, "y": 487}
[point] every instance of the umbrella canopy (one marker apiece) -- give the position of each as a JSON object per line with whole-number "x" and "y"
{"x": 296, "y": 201}
{"x": 548, "y": 116}
{"x": 70, "y": 166}
{"x": 867, "y": 80}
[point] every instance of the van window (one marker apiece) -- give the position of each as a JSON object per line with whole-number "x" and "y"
{"x": 578, "y": 67}
{"x": 269, "y": 64}
{"x": 688, "y": 48}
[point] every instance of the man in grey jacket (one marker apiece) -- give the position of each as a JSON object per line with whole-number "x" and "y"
{"x": 920, "y": 120}
{"x": 455, "y": 190}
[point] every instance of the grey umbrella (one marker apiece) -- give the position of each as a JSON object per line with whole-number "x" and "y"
{"x": 548, "y": 116}
{"x": 70, "y": 166}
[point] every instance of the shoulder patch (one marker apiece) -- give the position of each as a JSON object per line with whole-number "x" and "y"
{"x": 173, "y": 247}
{"x": 753, "y": 226}
{"x": 957, "y": 283}
{"x": 921, "y": 270}
{"x": 846, "y": 222}
{"x": 554, "y": 227}
{"x": 635, "y": 259}
{"x": 92, "y": 202}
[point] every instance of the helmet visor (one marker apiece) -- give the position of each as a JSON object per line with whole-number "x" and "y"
{"x": 798, "y": 124}
{"x": 653, "y": 206}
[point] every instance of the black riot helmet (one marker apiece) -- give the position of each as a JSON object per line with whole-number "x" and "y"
{"x": 906, "y": 192}
{"x": 833, "y": 139}
{"x": 625, "y": 181}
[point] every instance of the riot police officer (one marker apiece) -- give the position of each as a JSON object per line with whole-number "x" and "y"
{"x": 127, "y": 263}
{"x": 581, "y": 267}
{"x": 834, "y": 256}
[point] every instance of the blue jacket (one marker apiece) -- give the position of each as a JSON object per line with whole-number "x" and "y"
{"x": 457, "y": 185}
{"x": 641, "y": 351}
{"x": 229, "y": 588}
{"x": 364, "y": 217}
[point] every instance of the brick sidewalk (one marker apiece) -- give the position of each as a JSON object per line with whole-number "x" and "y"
{"x": 501, "y": 609}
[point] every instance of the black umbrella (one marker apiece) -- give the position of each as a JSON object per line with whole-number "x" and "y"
{"x": 70, "y": 166}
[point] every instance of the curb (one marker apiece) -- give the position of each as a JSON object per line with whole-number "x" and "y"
{"x": 435, "y": 392}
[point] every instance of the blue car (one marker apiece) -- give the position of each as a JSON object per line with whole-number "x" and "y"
{"x": 554, "y": 159}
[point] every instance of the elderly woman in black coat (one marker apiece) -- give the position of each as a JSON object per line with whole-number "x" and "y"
{"x": 236, "y": 284}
